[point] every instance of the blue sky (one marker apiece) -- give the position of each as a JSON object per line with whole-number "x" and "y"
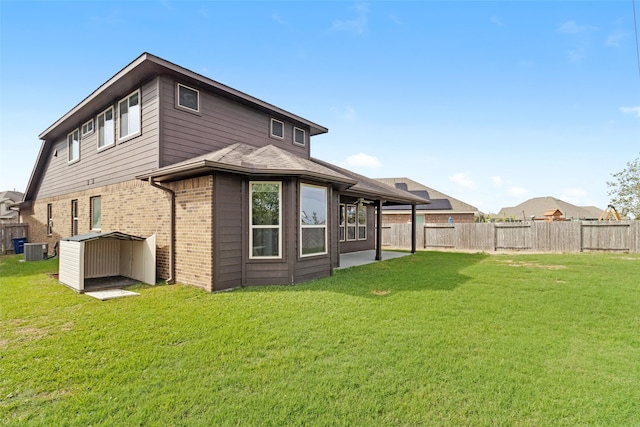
{"x": 489, "y": 102}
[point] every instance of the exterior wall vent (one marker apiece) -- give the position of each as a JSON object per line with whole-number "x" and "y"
{"x": 36, "y": 251}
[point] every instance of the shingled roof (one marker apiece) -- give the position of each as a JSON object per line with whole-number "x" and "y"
{"x": 438, "y": 201}
{"x": 537, "y": 206}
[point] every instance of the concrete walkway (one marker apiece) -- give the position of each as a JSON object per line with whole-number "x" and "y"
{"x": 366, "y": 257}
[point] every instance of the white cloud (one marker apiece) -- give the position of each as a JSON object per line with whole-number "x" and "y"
{"x": 631, "y": 110}
{"x": 349, "y": 113}
{"x": 497, "y": 21}
{"x": 497, "y": 181}
{"x": 357, "y": 25}
{"x": 363, "y": 160}
{"x": 517, "y": 191}
{"x": 615, "y": 38}
{"x": 464, "y": 180}
{"x": 279, "y": 19}
{"x": 571, "y": 27}
{"x": 576, "y": 55}
{"x": 575, "y": 196}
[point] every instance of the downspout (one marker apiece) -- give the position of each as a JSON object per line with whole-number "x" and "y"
{"x": 172, "y": 228}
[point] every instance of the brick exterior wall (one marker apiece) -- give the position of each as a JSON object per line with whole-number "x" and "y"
{"x": 132, "y": 207}
{"x": 194, "y": 236}
{"x": 435, "y": 218}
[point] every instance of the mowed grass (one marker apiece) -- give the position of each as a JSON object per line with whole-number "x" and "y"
{"x": 429, "y": 339}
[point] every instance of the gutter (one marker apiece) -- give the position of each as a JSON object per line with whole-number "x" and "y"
{"x": 172, "y": 228}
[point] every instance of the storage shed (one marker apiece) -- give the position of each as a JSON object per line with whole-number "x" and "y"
{"x": 110, "y": 254}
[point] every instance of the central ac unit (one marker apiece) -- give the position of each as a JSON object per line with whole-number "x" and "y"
{"x": 36, "y": 251}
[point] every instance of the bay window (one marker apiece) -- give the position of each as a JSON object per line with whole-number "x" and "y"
{"x": 313, "y": 220}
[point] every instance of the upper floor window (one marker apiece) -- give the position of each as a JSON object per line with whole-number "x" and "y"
{"x": 299, "y": 136}
{"x": 106, "y": 128}
{"x": 129, "y": 115}
{"x": 188, "y": 98}
{"x": 277, "y": 129}
{"x": 87, "y": 128}
{"x": 73, "y": 146}
{"x": 313, "y": 220}
{"x": 265, "y": 216}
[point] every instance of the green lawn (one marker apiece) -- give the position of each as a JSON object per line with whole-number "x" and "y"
{"x": 443, "y": 339}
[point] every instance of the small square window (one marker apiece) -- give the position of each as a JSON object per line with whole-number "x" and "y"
{"x": 298, "y": 136}
{"x": 87, "y": 128}
{"x": 188, "y": 98}
{"x": 277, "y": 129}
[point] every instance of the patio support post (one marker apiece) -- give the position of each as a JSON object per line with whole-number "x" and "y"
{"x": 379, "y": 230}
{"x": 413, "y": 229}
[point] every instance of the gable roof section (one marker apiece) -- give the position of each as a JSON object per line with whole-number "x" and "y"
{"x": 537, "y": 206}
{"x": 250, "y": 160}
{"x": 439, "y": 201}
{"x": 14, "y": 196}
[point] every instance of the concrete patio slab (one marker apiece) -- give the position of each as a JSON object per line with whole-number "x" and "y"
{"x": 354, "y": 259}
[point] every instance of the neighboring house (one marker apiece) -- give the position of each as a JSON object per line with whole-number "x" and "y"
{"x": 224, "y": 180}
{"x": 8, "y": 199}
{"x": 544, "y": 208}
{"x": 440, "y": 209}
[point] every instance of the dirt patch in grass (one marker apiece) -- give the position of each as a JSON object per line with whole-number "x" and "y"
{"x": 512, "y": 263}
{"x": 380, "y": 292}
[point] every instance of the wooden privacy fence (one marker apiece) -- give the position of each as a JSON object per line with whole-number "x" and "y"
{"x": 565, "y": 236}
{"x": 8, "y": 232}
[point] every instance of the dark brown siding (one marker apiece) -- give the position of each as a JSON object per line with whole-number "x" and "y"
{"x": 228, "y": 231}
{"x": 220, "y": 123}
{"x": 118, "y": 163}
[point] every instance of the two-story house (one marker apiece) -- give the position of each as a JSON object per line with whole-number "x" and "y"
{"x": 9, "y": 215}
{"x": 224, "y": 180}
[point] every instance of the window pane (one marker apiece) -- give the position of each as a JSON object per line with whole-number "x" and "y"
{"x": 362, "y": 215}
{"x": 73, "y": 145}
{"x": 266, "y": 242}
{"x": 108, "y": 128}
{"x": 313, "y": 205}
{"x": 134, "y": 117}
{"x": 188, "y": 98}
{"x": 124, "y": 119}
{"x": 298, "y": 135}
{"x": 351, "y": 233}
{"x": 342, "y": 233}
{"x": 342, "y": 214}
{"x": 265, "y": 204}
{"x": 362, "y": 233}
{"x": 277, "y": 128}
{"x": 313, "y": 241}
{"x": 96, "y": 213}
{"x": 351, "y": 214}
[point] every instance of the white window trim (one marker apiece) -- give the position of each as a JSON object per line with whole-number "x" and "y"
{"x": 69, "y": 159}
{"x": 75, "y": 222}
{"x": 139, "y": 131}
{"x": 271, "y": 129}
{"x": 325, "y": 225}
{"x": 49, "y": 219}
{"x": 113, "y": 129}
{"x": 184, "y": 107}
{"x": 89, "y": 132}
{"x": 252, "y": 227}
{"x": 304, "y": 136}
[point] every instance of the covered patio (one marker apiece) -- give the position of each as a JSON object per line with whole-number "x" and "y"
{"x": 353, "y": 259}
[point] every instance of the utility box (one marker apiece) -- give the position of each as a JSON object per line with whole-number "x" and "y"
{"x": 36, "y": 251}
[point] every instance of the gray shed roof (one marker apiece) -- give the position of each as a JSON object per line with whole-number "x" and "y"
{"x": 94, "y": 235}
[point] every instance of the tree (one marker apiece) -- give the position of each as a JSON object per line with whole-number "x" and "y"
{"x": 625, "y": 190}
